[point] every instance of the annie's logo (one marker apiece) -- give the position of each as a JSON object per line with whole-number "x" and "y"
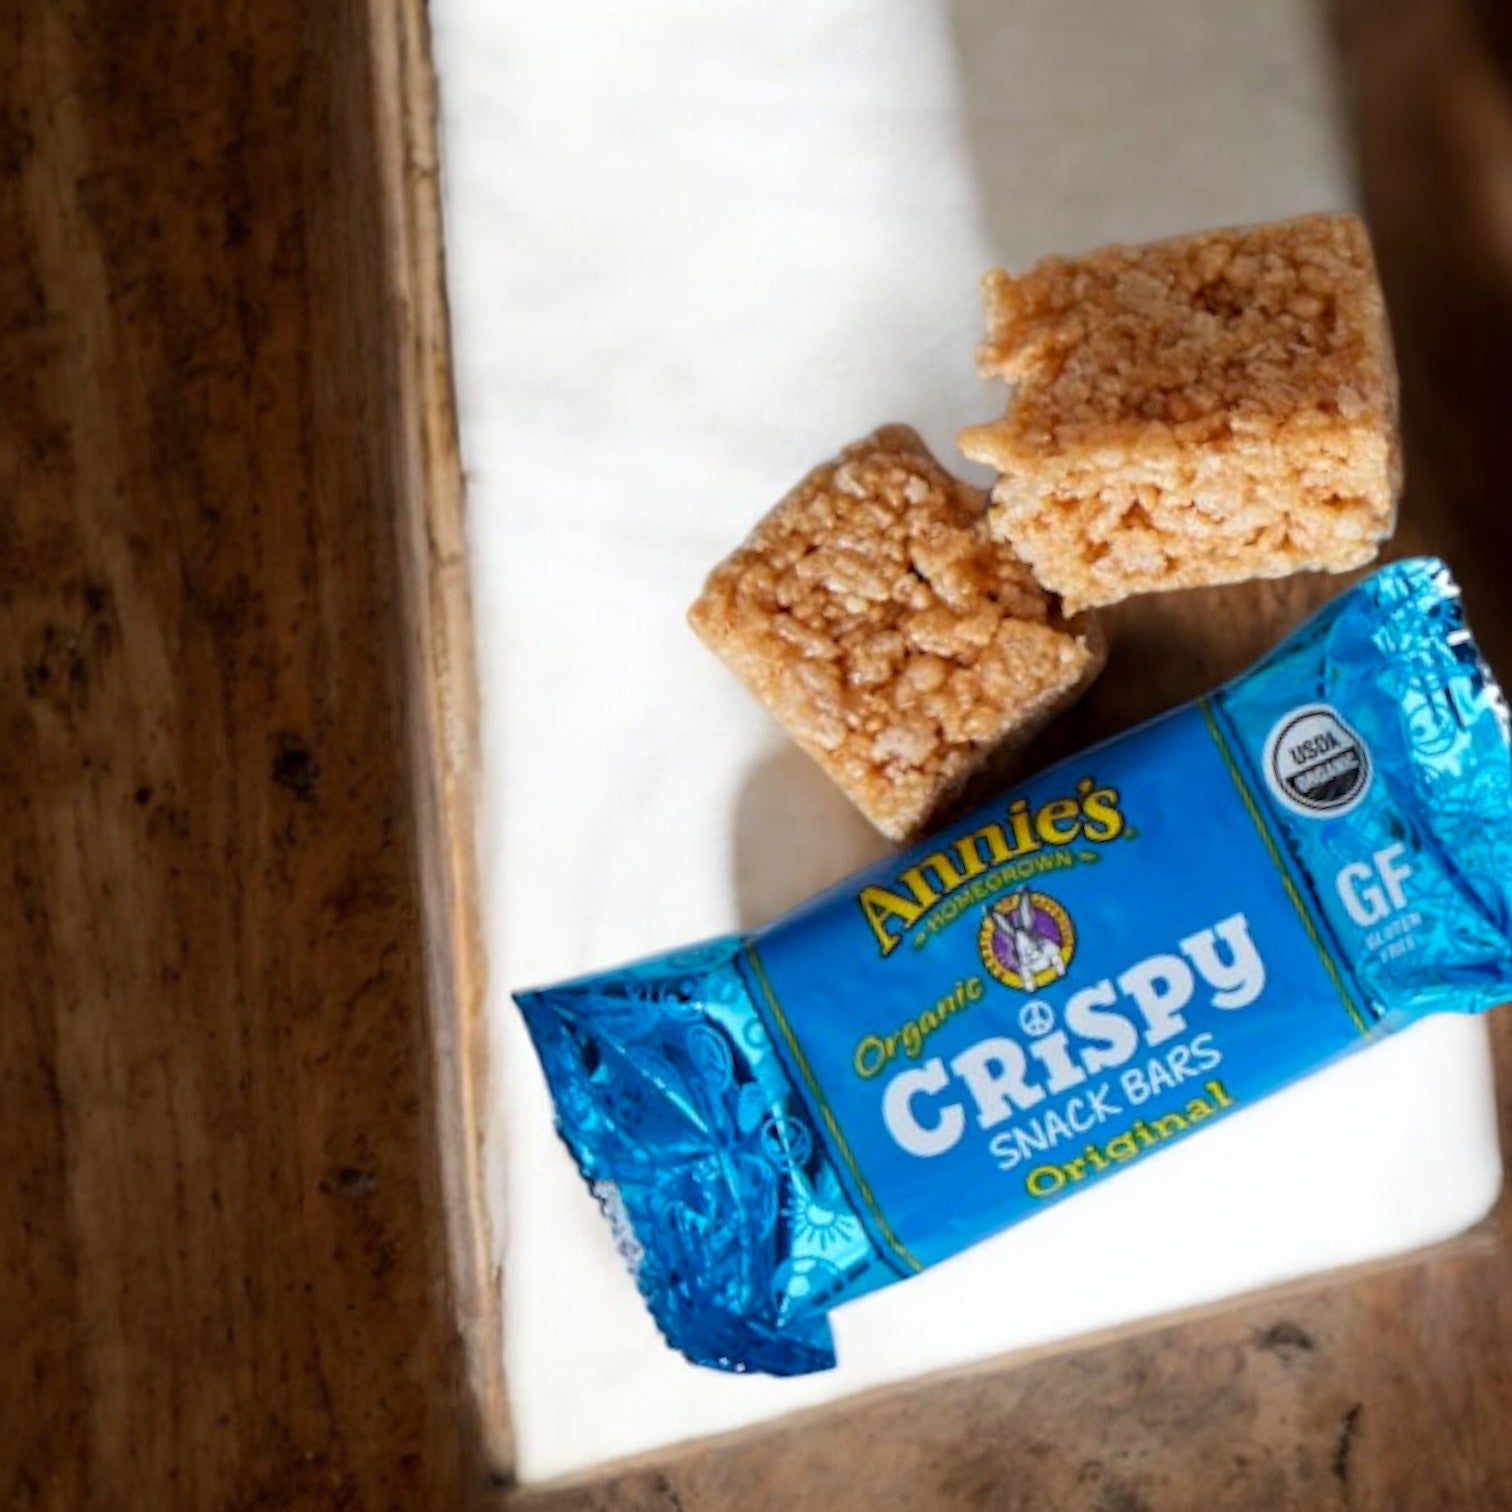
{"x": 1027, "y": 941}
{"x": 1027, "y": 841}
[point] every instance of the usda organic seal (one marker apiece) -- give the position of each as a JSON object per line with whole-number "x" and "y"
{"x": 1315, "y": 763}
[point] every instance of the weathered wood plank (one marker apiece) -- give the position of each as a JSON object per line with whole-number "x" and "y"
{"x": 222, "y": 1270}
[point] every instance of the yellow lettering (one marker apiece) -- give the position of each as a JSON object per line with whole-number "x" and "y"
{"x": 1045, "y": 1181}
{"x": 889, "y": 914}
{"x": 929, "y": 889}
{"x": 870, "y": 1057}
{"x": 1051, "y": 821}
{"x": 970, "y": 849}
{"x": 1023, "y": 835}
{"x": 982, "y": 859}
{"x": 1102, "y": 817}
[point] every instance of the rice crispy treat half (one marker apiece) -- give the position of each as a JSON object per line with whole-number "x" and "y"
{"x": 1202, "y": 410}
{"x": 900, "y": 645}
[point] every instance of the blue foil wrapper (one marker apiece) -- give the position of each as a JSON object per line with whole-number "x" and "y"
{"x": 1167, "y": 927}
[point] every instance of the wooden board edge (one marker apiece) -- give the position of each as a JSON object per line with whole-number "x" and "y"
{"x": 441, "y": 704}
{"x": 1479, "y": 1242}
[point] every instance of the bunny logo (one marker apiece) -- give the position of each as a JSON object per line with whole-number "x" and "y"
{"x": 1027, "y": 941}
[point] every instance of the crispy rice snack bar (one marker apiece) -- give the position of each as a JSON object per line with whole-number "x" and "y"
{"x": 1203, "y": 410}
{"x": 900, "y": 646}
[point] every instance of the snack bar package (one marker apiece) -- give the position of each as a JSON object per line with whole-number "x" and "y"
{"x": 1144, "y": 938}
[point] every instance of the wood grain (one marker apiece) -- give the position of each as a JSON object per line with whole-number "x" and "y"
{"x": 223, "y": 1280}
{"x": 442, "y": 701}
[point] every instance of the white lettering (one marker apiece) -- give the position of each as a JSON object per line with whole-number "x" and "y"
{"x": 1242, "y": 980}
{"x": 1000, "y": 1077}
{"x": 1114, "y": 1038}
{"x": 1363, "y": 901}
{"x": 1393, "y": 872}
{"x": 1161, "y": 987}
{"x": 994, "y": 1071}
{"x": 903, "y": 1123}
{"x": 1366, "y": 900}
{"x": 1053, "y": 1053}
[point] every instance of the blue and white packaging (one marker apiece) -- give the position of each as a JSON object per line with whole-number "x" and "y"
{"x": 1138, "y": 941}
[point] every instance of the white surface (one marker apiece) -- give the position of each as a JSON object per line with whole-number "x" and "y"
{"x": 693, "y": 247}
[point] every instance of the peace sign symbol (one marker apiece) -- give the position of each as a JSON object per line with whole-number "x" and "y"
{"x": 1036, "y": 1018}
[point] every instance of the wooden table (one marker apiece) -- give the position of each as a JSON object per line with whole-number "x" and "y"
{"x": 229, "y": 948}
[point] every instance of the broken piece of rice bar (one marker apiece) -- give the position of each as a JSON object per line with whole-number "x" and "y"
{"x": 1202, "y": 410}
{"x": 898, "y": 644}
